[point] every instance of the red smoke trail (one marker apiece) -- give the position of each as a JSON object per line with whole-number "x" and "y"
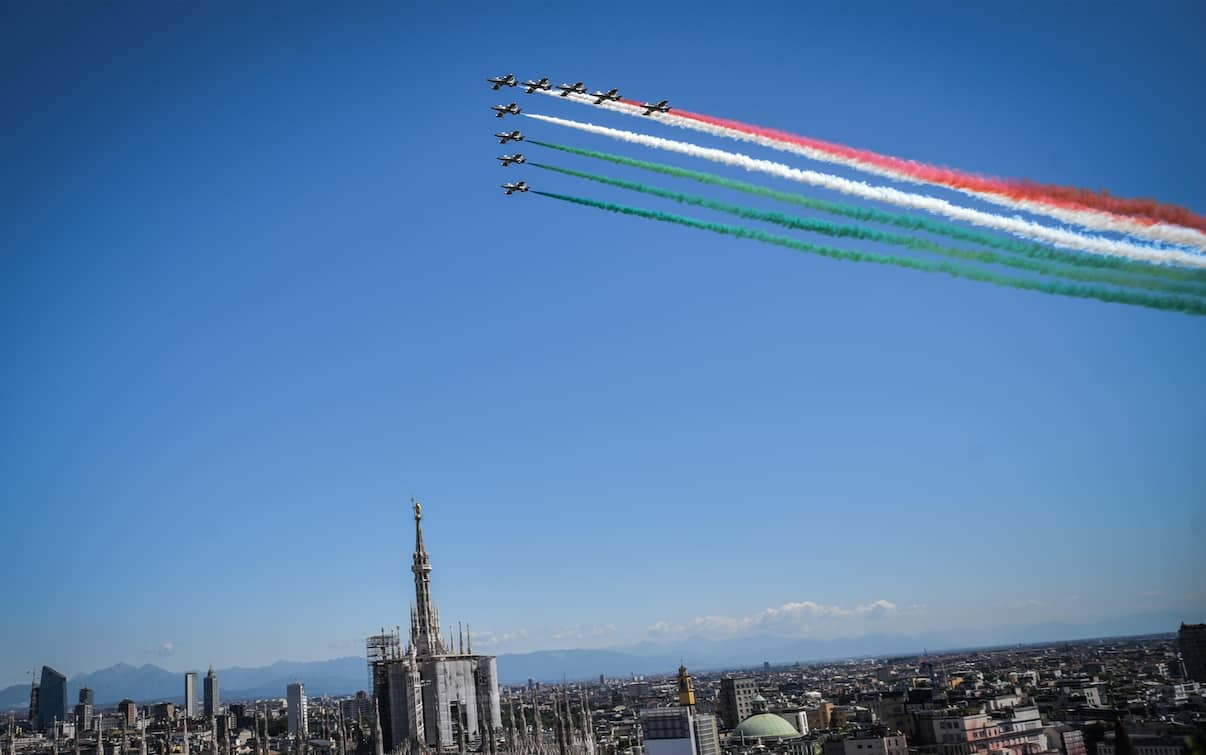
{"x": 1145, "y": 211}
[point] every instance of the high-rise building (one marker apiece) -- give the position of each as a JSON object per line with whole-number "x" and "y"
{"x": 1192, "y": 639}
{"x": 736, "y": 700}
{"x": 296, "y": 694}
{"x": 190, "y": 694}
{"x": 34, "y": 693}
{"x": 127, "y": 713}
{"x": 83, "y": 710}
{"x": 437, "y": 691}
{"x": 52, "y": 698}
{"x": 212, "y": 701}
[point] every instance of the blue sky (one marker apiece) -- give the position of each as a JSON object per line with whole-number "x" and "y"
{"x": 259, "y": 287}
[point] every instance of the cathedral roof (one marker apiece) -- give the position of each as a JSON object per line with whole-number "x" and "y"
{"x": 766, "y": 725}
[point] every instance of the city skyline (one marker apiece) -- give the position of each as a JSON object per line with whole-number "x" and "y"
{"x": 264, "y": 288}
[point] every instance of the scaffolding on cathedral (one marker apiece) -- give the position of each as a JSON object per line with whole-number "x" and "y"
{"x": 381, "y": 649}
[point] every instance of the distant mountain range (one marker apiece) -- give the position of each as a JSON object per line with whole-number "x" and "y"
{"x": 347, "y": 675}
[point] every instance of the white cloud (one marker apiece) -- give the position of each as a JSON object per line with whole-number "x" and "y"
{"x": 496, "y": 639}
{"x": 166, "y": 649}
{"x": 585, "y": 632}
{"x": 798, "y": 618}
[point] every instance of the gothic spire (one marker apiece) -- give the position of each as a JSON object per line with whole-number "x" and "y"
{"x": 425, "y": 629}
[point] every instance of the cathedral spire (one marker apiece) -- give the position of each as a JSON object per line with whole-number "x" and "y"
{"x": 425, "y": 629}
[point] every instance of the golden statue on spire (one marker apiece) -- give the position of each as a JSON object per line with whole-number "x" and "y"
{"x": 418, "y": 509}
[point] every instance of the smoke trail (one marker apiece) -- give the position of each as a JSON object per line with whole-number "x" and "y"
{"x": 1088, "y": 209}
{"x": 1088, "y": 275}
{"x": 1017, "y": 226}
{"x": 1168, "y": 303}
{"x": 900, "y": 220}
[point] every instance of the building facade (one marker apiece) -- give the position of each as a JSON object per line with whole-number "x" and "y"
{"x": 1192, "y": 639}
{"x": 679, "y": 731}
{"x": 890, "y": 743}
{"x": 435, "y": 692}
{"x": 736, "y": 700}
{"x": 296, "y": 696}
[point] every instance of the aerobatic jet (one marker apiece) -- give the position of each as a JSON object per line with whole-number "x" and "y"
{"x": 661, "y": 107}
{"x": 504, "y": 137}
{"x": 497, "y": 82}
{"x": 568, "y": 89}
{"x": 511, "y": 188}
{"x": 516, "y": 158}
{"x": 532, "y": 86}
{"x": 610, "y": 94}
{"x": 501, "y": 110}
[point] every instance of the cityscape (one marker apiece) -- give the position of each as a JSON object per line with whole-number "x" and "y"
{"x": 428, "y": 692}
{"x": 792, "y": 377}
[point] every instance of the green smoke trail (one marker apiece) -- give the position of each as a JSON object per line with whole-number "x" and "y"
{"x": 1169, "y": 303}
{"x": 1089, "y": 275}
{"x": 900, "y": 220}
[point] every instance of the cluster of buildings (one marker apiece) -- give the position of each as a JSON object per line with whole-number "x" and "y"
{"x": 432, "y": 693}
{"x": 1062, "y": 699}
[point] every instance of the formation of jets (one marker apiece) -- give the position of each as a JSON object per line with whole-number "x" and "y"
{"x": 501, "y": 110}
{"x": 498, "y": 82}
{"x": 533, "y": 85}
{"x": 610, "y": 94}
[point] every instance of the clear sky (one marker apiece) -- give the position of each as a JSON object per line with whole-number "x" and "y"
{"x": 259, "y": 286}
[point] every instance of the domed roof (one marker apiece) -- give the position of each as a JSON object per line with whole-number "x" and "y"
{"x": 764, "y": 725}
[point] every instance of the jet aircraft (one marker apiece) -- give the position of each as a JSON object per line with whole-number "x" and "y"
{"x": 497, "y": 82}
{"x": 568, "y": 89}
{"x": 610, "y": 94}
{"x": 504, "y": 137}
{"x": 501, "y": 110}
{"x": 532, "y": 86}
{"x": 511, "y": 188}
{"x": 661, "y": 107}
{"x": 516, "y": 158}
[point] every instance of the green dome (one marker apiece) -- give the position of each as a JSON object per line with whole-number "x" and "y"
{"x": 766, "y": 725}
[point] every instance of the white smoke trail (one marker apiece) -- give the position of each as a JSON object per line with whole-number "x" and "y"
{"x": 1018, "y": 226}
{"x": 1087, "y": 218}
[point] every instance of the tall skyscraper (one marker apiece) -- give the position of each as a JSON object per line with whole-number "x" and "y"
{"x": 33, "y": 703}
{"x": 52, "y": 698}
{"x": 212, "y": 702}
{"x": 297, "y": 709}
{"x": 190, "y": 694}
{"x": 437, "y": 693}
{"x": 1192, "y": 639}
